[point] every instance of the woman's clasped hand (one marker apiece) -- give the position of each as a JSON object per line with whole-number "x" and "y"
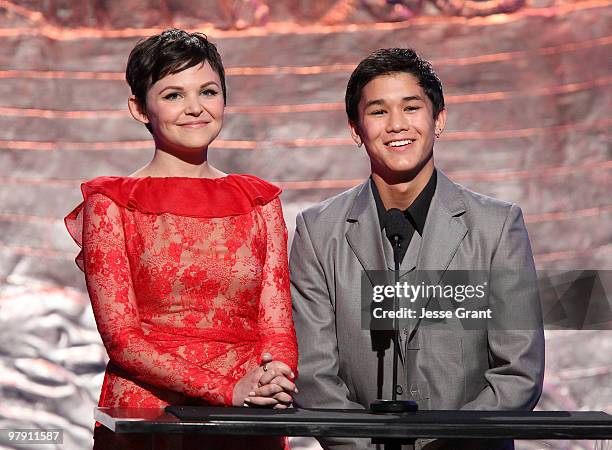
{"x": 271, "y": 384}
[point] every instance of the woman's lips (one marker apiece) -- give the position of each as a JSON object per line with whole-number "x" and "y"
{"x": 198, "y": 124}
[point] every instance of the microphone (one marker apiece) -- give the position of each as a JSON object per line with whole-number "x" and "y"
{"x": 395, "y": 224}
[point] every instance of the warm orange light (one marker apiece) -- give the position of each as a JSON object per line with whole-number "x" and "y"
{"x": 49, "y": 31}
{"x": 535, "y": 92}
{"x": 301, "y": 142}
{"x": 319, "y": 69}
{"x": 567, "y": 215}
{"x": 313, "y": 107}
{"x": 538, "y": 172}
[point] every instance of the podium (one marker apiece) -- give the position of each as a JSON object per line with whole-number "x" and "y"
{"x": 388, "y": 429}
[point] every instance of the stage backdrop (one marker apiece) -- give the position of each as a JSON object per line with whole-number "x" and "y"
{"x": 527, "y": 86}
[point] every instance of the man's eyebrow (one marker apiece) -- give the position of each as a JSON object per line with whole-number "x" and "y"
{"x": 380, "y": 102}
{"x": 374, "y": 102}
{"x": 412, "y": 97}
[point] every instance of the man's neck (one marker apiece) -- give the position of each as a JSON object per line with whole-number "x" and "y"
{"x": 401, "y": 194}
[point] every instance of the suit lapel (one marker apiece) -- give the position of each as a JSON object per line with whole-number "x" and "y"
{"x": 365, "y": 239}
{"x": 444, "y": 230}
{"x": 364, "y": 235}
{"x": 412, "y": 253}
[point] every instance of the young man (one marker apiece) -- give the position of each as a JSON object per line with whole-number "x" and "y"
{"x": 395, "y": 109}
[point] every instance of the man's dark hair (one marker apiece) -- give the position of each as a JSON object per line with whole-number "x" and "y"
{"x": 393, "y": 60}
{"x": 167, "y": 53}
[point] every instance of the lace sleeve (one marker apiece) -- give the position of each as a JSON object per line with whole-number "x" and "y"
{"x": 276, "y": 324}
{"x": 109, "y": 283}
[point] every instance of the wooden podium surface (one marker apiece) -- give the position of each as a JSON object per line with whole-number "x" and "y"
{"x": 359, "y": 423}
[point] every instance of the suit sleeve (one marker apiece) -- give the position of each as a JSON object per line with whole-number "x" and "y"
{"x": 515, "y": 333}
{"x": 109, "y": 283}
{"x": 319, "y": 383}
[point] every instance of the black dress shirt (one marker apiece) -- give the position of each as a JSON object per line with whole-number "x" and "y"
{"x": 416, "y": 213}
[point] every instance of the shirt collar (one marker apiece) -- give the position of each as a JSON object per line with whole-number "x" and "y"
{"x": 416, "y": 213}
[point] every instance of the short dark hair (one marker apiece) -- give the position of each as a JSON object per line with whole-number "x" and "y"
{"x": 392, "y": 60}
{"x": 169, "y": 52}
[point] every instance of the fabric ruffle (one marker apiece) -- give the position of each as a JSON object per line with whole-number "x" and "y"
{"x": 232, "y": 195}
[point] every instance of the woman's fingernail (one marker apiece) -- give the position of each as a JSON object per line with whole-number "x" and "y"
{"x": 292, "y": 375}
{"x": 251, "y": 394}
{"x": 296, "y": 391}
{"x": 247, "y": 400}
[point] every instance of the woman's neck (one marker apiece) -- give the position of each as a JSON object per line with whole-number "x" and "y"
{"x": 166, "y": 164}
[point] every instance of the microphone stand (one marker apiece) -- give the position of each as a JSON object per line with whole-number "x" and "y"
{"x": 395, "y": 223}
{"x": 396, "y": 255}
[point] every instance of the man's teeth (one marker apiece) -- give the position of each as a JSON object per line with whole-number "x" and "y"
{"x": 400, "y": 143}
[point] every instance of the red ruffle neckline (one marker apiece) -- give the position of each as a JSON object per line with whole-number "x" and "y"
{"x": 231, "y": 195}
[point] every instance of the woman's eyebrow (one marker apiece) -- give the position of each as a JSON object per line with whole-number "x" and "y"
{"x": 174, "y": 88}
{"x": 180, "y": 88}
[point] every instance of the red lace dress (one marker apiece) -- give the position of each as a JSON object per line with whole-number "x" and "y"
{"x": 189, "y": 283}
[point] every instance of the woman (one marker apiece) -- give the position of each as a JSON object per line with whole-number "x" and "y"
{"x": 185, "y": 265}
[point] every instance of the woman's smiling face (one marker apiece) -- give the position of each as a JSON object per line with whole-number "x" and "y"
{"x": 184, "y": 109}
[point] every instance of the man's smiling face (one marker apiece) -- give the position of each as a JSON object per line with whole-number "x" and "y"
{"x": 397, "y": 126}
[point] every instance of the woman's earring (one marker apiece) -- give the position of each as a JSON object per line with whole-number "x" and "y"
{"x": 359, "y": 144}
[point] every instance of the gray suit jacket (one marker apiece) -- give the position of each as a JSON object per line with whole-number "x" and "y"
{"x": 343, "y": 366}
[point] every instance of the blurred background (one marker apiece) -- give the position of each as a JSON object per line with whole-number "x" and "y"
{"x": 527, "y": 85}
